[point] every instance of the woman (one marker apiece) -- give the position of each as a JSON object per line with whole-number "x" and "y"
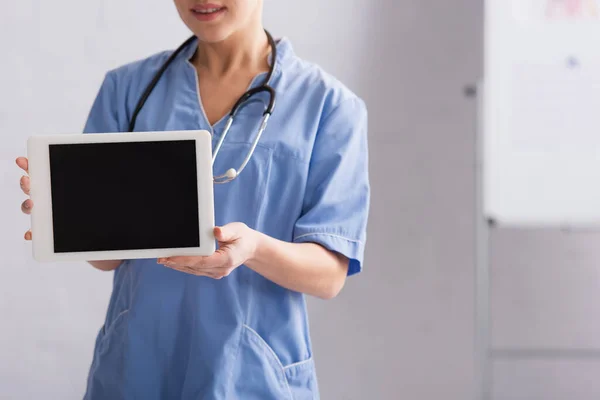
{"x": 234, "y": 325}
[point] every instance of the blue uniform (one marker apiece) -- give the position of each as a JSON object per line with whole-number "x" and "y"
{"x": 171, "y": 335}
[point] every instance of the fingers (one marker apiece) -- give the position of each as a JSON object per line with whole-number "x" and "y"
{"x": 23, "y": 163}
{"x": 25, "y": 184}
{"x": 27, "y": 206}
{"x": 216, "y": 260}
{"x": 215, "y": 266}
{"x": 174, "y": 261}
{"x": 215, "y": 273}
{"x": 229, "y": 232}
{"x": 221, "y": 234}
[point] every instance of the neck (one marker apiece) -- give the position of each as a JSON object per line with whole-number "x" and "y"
{"x": 246, "y": 50}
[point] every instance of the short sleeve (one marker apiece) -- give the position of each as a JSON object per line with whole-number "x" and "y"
{"x": 337, "y": 196}
{"x": 104, "y": 116}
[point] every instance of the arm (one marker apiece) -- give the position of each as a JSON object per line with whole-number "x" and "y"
{"x": 302, "y": 267}
{"x": 109, "y": 265}
{"x": 329, "y": 236}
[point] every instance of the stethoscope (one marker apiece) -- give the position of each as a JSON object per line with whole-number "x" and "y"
{"x": 231, "y": 173}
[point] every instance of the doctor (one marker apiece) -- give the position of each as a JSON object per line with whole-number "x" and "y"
{"x": 234, "y": 325}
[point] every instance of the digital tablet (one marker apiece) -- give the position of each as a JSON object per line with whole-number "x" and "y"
{"x": 119, "y": 196}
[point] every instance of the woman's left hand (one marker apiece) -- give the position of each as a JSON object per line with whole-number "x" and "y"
{"x": 237, "y": 244}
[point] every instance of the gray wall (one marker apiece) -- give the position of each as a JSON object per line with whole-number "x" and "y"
{"x": 545, "y": 308}
{"x": 404, "y": 328}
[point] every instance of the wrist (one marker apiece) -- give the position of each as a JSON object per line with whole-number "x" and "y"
{"x": 257, "y": 245}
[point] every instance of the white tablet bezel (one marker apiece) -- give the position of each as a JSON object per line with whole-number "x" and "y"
{"x": 41, "y": 215}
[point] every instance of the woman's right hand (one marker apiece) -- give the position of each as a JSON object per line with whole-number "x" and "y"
{"x": 27, "y": 205}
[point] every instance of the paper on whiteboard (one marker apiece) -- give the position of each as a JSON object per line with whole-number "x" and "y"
{"x": 555, "y": 10}
{"x": 555, "y": 108}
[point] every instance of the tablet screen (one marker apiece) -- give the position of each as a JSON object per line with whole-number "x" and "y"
{"x": 124, "y": 196}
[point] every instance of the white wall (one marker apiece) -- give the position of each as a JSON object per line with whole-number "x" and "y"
{"x": 54, "y": 57}
{"x": 401, "y": 330}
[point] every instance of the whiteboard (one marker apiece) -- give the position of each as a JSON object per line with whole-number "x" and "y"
{"x": 541, "y": 112}
{"x": 54, "y": 57}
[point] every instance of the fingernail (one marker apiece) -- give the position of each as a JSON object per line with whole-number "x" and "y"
{"x": 26, "y": 205}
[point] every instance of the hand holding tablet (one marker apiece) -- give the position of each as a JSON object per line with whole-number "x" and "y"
{"x": 120, "y": 196}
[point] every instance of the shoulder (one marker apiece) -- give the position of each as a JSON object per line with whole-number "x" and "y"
{"x": 119, "y": 91}
{"x": 126, "y": 83}
{"x": 326, "y": 94}
{"x": 137, "y": 72}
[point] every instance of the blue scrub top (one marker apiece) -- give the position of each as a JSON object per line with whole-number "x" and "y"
{"x": 171, "y": 335}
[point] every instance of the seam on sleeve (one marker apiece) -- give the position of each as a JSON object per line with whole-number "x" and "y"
{"x": 330, "y": 235}
{"x": 111, "y": 80}
{"x": 334, "y": 109}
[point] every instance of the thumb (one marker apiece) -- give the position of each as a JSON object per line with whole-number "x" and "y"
{"x": 226, "y": 233}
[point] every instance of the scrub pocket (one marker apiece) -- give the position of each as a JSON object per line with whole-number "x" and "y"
{"x": 113, "y": 332}
{"x": 108, "y": 369}
{"x": 260, "y": 374}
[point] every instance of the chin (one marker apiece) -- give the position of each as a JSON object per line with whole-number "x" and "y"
{"x": 212, "y": 34}
{"x": 213, "y": 37}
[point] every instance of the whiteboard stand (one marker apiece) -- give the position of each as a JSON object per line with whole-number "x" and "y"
{"x": 483, "y": 225}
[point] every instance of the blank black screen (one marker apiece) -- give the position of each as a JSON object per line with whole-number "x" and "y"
{"x": 124, "y": 196}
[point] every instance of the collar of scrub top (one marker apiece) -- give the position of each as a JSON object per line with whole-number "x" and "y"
{"x": 283, "y": 50}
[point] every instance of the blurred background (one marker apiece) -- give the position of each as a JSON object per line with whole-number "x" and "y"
{"x": 479, "y": 110}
